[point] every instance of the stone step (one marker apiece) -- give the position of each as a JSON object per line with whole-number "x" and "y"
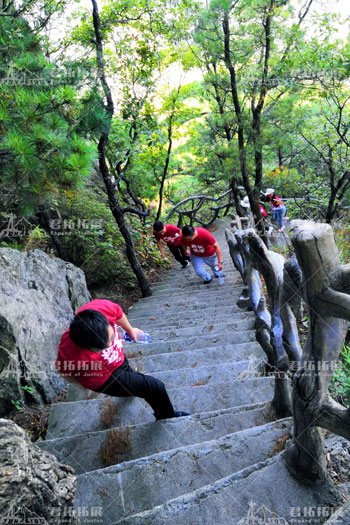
{"x": 180, "y": 306}
{"x": 158, "y": 323}
{"x": 205, "y": 328}
{"x": 262, "y": 493}
{"x": 192, "y": 281}
{"x": 252, "y": 354}
{"x": 140, "y": 484}
{"x": 207, "y": 375}
{"x": 197, "y": 367}
{"x": 192, "y": 358}
{"x": 70, "y": 418}
{"x": 222, "y": 296}
{"x": 192, "y": 343}
{"x": 177, "y": 318}
{"x": 83, "y": 451}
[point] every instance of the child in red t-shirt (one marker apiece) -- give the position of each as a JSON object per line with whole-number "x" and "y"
{"x": 203, "y": 249}
{"x": 91, "y": 353}
{"x": 171, "y": 235}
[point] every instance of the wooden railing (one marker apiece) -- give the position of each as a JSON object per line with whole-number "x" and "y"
{"x": 301, "y": 376}
{"x": 195, "y": 209}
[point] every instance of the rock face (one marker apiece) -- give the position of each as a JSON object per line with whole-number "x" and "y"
{"x": 38, "y": 298}
{"x": 34, "y": 486}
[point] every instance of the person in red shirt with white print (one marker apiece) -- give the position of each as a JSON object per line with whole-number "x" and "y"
{"x": 171, "y": 235}
{"x": 91, "y": 353}
{"x": 203, "y": 249}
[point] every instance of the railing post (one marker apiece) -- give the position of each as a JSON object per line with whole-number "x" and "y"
{"x": 326, "y": 285}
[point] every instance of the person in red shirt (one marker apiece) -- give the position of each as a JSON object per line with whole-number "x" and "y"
{"x": 91, "y": 353}
{"x": 278, "y": 209}
{"x": 171, "y": 235}
{"x": 203, "y": 249}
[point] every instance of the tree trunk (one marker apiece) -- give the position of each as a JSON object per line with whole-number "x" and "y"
{"x": 113, "y": 200}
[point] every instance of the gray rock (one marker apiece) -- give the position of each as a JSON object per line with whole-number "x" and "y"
{"x": 38, "y": 297}
{"x": 33, "y": 485}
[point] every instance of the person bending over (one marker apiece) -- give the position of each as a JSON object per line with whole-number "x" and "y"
{"x": 171, "y": 236}
{"x": 91, "y": 353}
{"x": 203, "y": 249}
{"x": 278, "y": 209}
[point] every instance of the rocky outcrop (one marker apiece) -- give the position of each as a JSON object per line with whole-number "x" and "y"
{"x": 34, "y": 486}
{"x": 38, "y": 297}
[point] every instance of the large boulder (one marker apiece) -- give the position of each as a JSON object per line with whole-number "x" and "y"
{"x": 34, "y": 486}
{"x": 39, "y": 295}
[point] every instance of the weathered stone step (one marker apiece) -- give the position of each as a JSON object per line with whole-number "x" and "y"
{"x": 70, "y": 418}
{"x": 84, "y": 451}
{"x": 197, "y": 317}
{"x": 245, "y": 497}
{"x": 199, "y": 289}
{"x": 192, "y": 358}
{"x": 179, "y": 285}
{"x": 177, "y": 318}
{"x": 212, "y": 326}
{"x": 207, "y": 375}
{"x": 188, "y": 343}
{"x": 229, "y": 295}
{"x": 196, "y": 309}
{"x": 246, "y": 360}
{"x": 138, "y": 485}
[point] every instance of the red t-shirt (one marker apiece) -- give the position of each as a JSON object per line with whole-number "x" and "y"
{"x": 276, "y": 201}
{"x": 170, "y": 236}
{"x": 262, "y": 211}
{"x": 92, "y": 369}
{"x": 202, "y": 245}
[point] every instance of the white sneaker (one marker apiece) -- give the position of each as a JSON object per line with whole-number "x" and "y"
{"x": 221, "y": 280}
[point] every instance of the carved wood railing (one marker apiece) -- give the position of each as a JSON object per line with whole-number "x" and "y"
{"x": 197, "y": 203}
{"x": 314, "y": 274}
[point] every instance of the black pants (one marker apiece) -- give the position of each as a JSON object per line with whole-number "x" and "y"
{"x": 124, "y": 382}
{"x": 179, "y": 254}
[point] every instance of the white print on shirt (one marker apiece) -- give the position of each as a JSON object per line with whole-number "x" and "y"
{"x": 114, "y": 352}
{"x": 197, "y": 248}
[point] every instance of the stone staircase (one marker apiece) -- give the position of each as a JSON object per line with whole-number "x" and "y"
{"x": 221, "y": 465}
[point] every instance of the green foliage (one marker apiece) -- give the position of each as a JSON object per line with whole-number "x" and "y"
{"x": 89, "y": 235}
{"x": 340, "y": 384}
{"x": 39, "y": 149}
{"x": 342, "y": 239}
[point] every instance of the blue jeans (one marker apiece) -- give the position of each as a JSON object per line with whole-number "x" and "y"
{"x": 278, "y": 215}
{"x": 198, "y": 265}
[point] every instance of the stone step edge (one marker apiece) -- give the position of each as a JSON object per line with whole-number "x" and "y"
{"x": 233, "y": 347}
{"x": 230, "y": 320}
{"x": 181, "y": 339}
{"x": 258, "y": 363}
{"x": 180, "y": 503}
{"x": 126, "y": 465}
{"x": 196, "y": 416}
{"x": 268, "y": 379}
